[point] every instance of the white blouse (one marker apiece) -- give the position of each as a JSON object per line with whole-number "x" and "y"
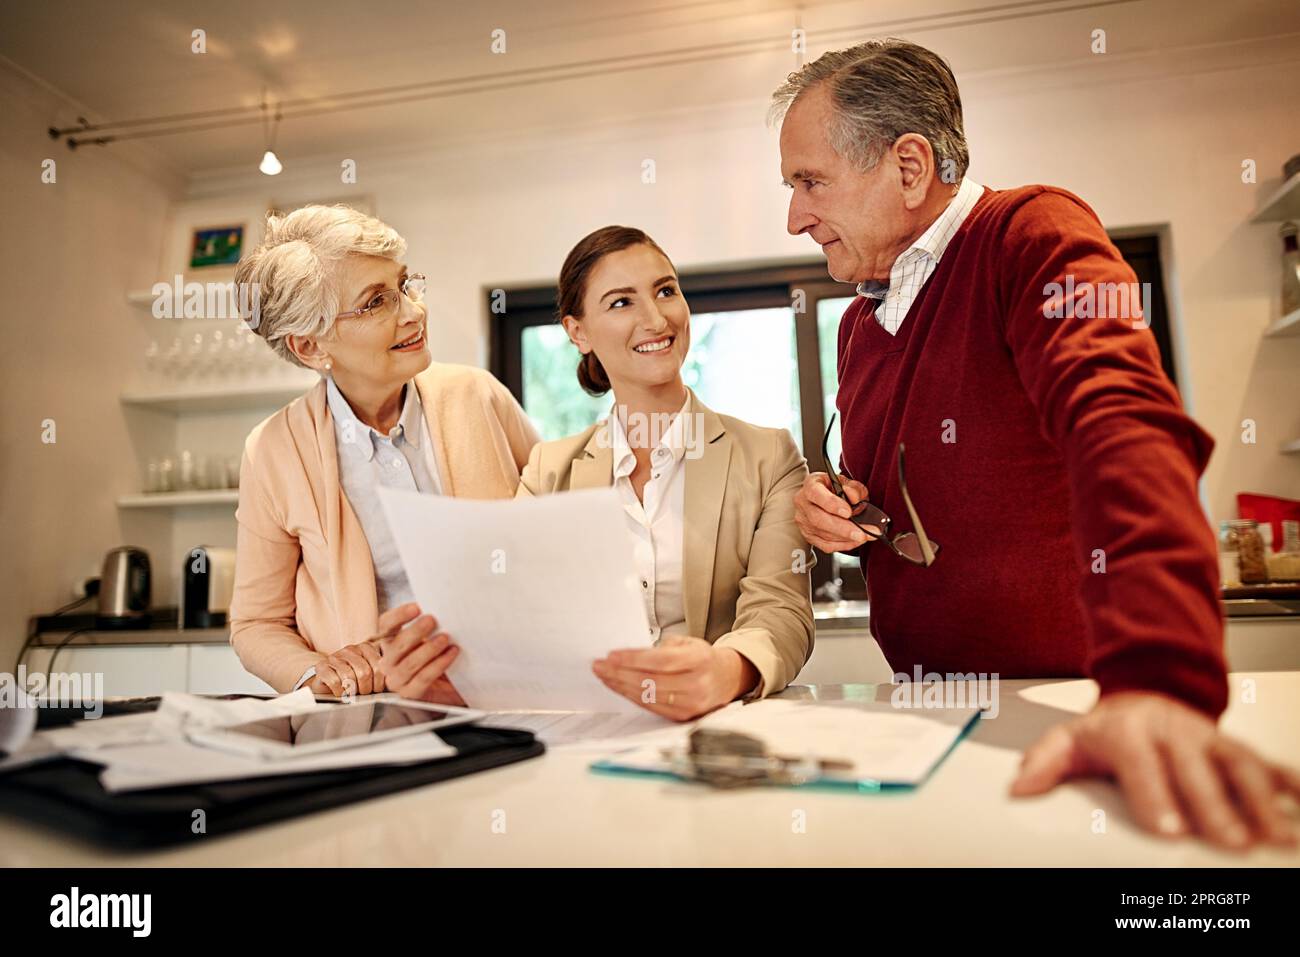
{"x": 368, "y": 459}
{"x": 655, "y": 522}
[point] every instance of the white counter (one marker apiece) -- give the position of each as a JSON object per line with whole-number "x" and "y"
{"x": 556, "y": 812}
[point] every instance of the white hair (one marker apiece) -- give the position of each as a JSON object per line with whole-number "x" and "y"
{"x": 293, "y": 270}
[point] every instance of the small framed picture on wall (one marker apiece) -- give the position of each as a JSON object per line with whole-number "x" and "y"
{"x": 216, "y": 246}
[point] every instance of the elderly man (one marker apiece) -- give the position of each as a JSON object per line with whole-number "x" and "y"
{"x": 1049, "y": 458}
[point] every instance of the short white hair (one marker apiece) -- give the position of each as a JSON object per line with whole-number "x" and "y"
{"x": 293, "y": 270}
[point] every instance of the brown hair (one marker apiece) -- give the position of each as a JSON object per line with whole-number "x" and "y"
{"x": 582, "y": 259}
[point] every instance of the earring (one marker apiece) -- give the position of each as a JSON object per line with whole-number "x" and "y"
{"x": 328, "y": 365}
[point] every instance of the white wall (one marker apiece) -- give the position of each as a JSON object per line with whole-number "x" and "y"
{"x": 69, "y": 251}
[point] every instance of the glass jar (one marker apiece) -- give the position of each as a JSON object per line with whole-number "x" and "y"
{"x": 1290, "y": 269}
{"x": 1241, "y": 537}
{"x": 1285, "y": 564}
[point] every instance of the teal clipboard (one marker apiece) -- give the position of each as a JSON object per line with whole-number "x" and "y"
{"x": 611, "y": 766}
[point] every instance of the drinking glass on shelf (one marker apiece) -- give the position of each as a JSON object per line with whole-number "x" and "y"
{"x": 153, "y": 357}
{"x": 186, "y": 477}
{"x": 166, "y": 475}
{"x": 174, "y": 358}
{"x": 152, "y": 479}
{"x": 237, "y": 351}
{"x": 232, "y": 472}
{"x": 194, "y": 355}
{"x": 216, "y": 353}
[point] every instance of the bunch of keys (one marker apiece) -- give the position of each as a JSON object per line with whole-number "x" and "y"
{"x": 732, "y": 759}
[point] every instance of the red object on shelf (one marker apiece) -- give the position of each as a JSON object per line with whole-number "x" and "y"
{"x": 1270, "y": 509}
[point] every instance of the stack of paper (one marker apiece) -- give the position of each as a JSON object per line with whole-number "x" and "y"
{"x": 140, "y": 751}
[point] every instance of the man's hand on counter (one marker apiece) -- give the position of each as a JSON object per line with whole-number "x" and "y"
{"x": 1178, "y": 772}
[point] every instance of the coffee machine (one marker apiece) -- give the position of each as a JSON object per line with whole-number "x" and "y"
{"x": 207, "y": 585}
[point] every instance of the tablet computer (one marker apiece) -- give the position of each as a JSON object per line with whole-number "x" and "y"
{"x": 329, "y": 729}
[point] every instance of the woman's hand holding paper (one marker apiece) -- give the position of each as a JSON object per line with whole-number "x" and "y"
{"x": 680, "y": 679}
{"x": 416, "y": 656}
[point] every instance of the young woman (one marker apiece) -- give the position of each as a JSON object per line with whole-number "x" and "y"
{"x": 709, "y": 498}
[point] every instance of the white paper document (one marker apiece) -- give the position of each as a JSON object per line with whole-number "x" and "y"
{"x": 531, "y": 590}
{"x": 152, "y": 750}
{"x": 601, "y": 731}
{"x": 142, "y": 766}
{"x": 177, "y": 714}
{"x": 97, "y": 739}
{"x": 16, "y": 727}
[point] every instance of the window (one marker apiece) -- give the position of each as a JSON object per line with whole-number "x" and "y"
{"x": 753, "y": 354}
{"x": 763, "y": 348}
{"x": 742, "y": 363}
{"x": 1142, "y": 253}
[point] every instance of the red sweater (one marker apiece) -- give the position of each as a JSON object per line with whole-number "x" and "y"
{"x": 1068, "y": 438}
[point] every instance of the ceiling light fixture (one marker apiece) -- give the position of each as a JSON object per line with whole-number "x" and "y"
{"x": 270, "y": 164}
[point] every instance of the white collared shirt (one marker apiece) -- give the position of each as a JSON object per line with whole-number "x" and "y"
{"x": 915, "y": 264}
{"x": 404, "y": 458}
{"x": 656, "y": 520}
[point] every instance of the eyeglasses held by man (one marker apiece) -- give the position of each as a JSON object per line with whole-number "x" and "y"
{"x": 914, "y": 546}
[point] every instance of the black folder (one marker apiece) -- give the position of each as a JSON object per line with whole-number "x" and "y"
{"x": 66, "y": 794}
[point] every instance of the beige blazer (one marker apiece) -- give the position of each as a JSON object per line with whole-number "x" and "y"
{"x": 745, "y": 564}
{"x": 304, "y": 579}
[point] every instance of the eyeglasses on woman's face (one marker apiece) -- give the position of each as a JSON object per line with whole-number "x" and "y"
{"x": 384, "y": 304}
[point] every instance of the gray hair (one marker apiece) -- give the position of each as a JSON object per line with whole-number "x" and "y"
{"x": 880, "y": 90}
{"x": 292, "y": 271}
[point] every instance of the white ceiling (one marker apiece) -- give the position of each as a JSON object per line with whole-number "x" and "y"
{"x": 131, "y": 58}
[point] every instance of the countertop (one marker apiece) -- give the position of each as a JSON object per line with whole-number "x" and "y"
{"x": 557, "y": 812}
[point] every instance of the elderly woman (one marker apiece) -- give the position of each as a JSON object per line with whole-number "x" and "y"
{"x": 316, "y": 563}
{"x": 709, "y": 498}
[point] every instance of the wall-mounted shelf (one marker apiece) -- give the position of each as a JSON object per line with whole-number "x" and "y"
{"x": 1288, "y": 325}
{"x": 220, "y": 398}
{"x": 219, "y": 496}
{"x": 1292, "y": 448}
{"x": 1283, "y": 204}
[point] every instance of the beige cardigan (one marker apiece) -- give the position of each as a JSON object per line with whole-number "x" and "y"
{"x": 745, "y": 564}
{"x": 304, "y": 580}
